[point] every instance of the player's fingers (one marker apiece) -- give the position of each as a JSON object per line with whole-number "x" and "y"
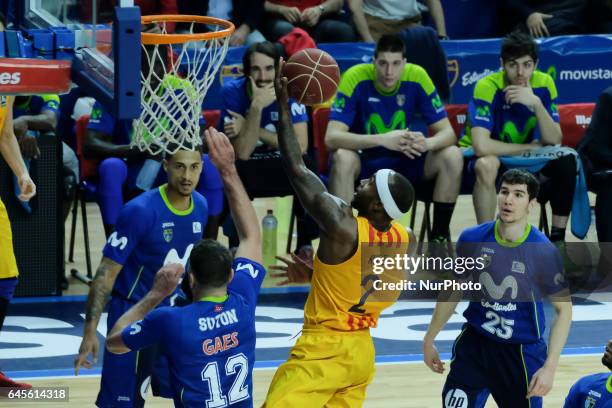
{"x": 283, "y": 283}
{"x": 284, "y": 259}
{"x": 545, "y": 29}
{"x": 547, "y": 16}
{"x": 234, "y": 114}
{"x": 277, "y": 275}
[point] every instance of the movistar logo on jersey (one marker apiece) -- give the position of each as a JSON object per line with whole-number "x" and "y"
{"x": 554, "y": 108}
{"x": 552, "y": 71}
{"x": 376, "y": 126}
{"x": 511, "y": 134}
{"x": 96, "y": 113}
{"x": 115, "y": 241}
{"x": 437, "y": 103}
{"x": 339, "y": 104}
{"x": 173, "y": 257}
{"x": 483, "y": 112}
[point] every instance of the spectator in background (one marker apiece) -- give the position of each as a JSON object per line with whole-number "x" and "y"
{"x": 320, "y": 18}
{"x": 245, "y": 14}
{"x": 36, "y": 114}
{"x": 595, "y": 390}
{"x": 545, "y": 18}
{"x": 375, "y": 18}
{"x": 250, "y": 118}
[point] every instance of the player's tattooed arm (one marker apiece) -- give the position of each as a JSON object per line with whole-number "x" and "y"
{"x": 100, "y": 290}
{"x": 334, "y": 219}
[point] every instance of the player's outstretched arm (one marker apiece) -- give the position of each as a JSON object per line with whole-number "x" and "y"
{"x": 331, "y": 217}
{"x": 445, "y": 307}
{"x": 165, "y": 283}
{"x": 99, "y": 292}
{"x": 9, "y": 148}
{"x": 542, "y": 380}
{"x": 222, "y": 154}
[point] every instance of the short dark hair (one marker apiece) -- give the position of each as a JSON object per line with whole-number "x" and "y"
{"x": 518, "y": 176}
{"x": 266, "y": 48}
{"x": 518, "y": 44}
{"x": 390, "y": 43}
{"x": 210, "y": 263}
{"x": 186, "y": 146}
{"x": 401, "y": 191}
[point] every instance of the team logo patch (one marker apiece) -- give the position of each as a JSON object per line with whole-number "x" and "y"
{"x": 518, "y": 267}
{"x": 274, "y": 116}
{"x": 168, "y": 234}
{"x": 197, "y": 227}
{"x": 487, "y": 258}
{"x": 400, "y": 99}
{"x": 455, "y": 398}
{"x": 590, "y": 402}
{"x": 453, "y": 71}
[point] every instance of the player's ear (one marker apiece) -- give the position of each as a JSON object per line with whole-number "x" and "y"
{"x": 191, "y": 280}
{"x": 165, "y": 164}
{"x": 532, "y": 203}
{"x": 231, "y": 275}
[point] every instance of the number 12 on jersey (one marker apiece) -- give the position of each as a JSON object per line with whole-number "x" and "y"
{"x": 239, "y": 391}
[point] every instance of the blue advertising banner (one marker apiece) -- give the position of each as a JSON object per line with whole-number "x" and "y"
{"x": 580, "y": 65}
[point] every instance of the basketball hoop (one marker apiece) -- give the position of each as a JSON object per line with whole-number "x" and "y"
{"x": 176, "y": 72}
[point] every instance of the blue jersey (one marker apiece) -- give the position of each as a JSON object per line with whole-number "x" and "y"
{"x": 149, "y": 234}
{"x": 514, "y": 123}
{"x": 210, "y": 344}
{"x": 366, "y": 109}
{"x": 237, "y": 97}
{"x": 592, "y": 391}
{"x": 36, "y": 104}
{"x": 515, "y": 278}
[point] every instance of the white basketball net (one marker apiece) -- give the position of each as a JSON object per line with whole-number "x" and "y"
{"x": 172, "y": 93}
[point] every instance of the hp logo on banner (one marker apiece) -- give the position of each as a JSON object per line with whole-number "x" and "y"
{"x": 456, "y": 398}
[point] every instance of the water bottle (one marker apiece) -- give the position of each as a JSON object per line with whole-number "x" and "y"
{"x": 148, "y": 174}
{"x": 269, "y": 226}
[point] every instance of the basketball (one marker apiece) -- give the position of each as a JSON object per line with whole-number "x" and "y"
{"x": 313, "y": 76}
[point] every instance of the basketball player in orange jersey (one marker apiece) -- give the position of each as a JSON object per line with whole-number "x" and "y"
{"x": 8, "y": 266}
{"x": 332, "y": 362}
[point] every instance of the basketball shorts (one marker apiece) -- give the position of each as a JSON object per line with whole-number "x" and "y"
{"x": 375, "y": 159}
{"x": 481, "y": 366}
{"x": 126, "y": 378}
{"x": 8, "y": 264}
{"x": 326, "y": 368}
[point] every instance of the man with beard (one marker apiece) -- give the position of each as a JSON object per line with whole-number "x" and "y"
{"x": 250, "y": 116}
{"x": 595, "y": 390}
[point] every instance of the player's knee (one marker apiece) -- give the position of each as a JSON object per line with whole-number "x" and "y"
{"x": 345, "y": 162}
{"x": 486, "y": 169}
{"x": 113, "y": 169}
{"x": 452, "y": 160}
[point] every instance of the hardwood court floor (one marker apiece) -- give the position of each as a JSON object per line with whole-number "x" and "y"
{"x": 395, "y": 386}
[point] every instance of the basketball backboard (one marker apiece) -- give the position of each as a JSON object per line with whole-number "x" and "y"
{"x": 106, "y": 61}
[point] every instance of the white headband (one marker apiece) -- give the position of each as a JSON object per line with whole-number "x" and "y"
{"x": 382, "y": 185}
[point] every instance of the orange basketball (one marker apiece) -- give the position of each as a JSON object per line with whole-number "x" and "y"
{"x": 313, "y": 76}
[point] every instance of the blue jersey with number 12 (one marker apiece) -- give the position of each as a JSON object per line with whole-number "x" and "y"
{"x": 210, "y": 344}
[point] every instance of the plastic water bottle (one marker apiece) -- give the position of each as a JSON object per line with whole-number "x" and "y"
{"x": 269, "y": 226}
{"x": 148, "y": 174}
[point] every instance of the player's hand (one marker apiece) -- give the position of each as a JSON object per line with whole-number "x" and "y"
{"x": 29, "y": 147}
{"x": 432, "y": 358}
{"x": 535, "y": 24}
{"x": 27, "y": 188}
{"x": 418, "y": 142}
{"x": 20, "y": 127}
{"x": 295, "y": 270}
{"x": 220, "y": 150}
{"x": 263, "y": 96}
{"x": 310, "y": 16}
{"x": 542, "y": 381}
{"x": 89, "y": 345}
{"x": 233, "y": 126}
{"x": 167, "y": 279}
{"x": 396, "y": 140}
{"x": 521, "y": 94}
{"x": 291, "y": 14}
{"x": 280, "y": 84}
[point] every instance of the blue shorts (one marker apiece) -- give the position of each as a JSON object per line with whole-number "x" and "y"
{"x": 7, "y": 288}
{"x": 481, "y": 366}
{"x": 126, "y": 377}
{"x": 375, "y": 159}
